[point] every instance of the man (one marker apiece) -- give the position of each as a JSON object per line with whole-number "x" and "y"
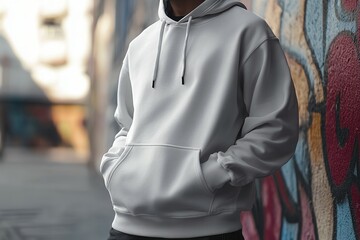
{"x": 206, "y": 105}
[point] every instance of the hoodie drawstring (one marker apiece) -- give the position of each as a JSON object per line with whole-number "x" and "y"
{"x": 184, "y": 50}
{"x": 158, "y": 53}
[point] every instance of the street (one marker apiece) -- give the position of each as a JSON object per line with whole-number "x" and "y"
{"x": 47, "y": 195}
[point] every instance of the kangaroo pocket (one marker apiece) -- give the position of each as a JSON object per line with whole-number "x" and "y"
{"x": 161, "y": 180}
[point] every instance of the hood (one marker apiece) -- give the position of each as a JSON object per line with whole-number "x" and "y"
{"x": 208, "y": 7}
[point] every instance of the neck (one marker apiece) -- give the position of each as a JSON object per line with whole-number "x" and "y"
{"x": 183, "y": 7}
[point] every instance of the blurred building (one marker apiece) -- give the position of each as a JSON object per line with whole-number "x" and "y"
{"x": 45, "y": 48}
{"x": 51, "y": 41}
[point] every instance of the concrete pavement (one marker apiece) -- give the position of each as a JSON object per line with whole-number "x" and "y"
{"x": 44, "y": 198}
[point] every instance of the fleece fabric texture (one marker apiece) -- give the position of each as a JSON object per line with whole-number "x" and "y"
{"x": 205, "y": 105}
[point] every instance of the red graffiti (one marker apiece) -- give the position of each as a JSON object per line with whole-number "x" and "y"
{"x": 265, "y": 223}
{"x": 355, "y": 203}
{"x": 307, "y": 225}
{"x": 349, "y": 5}
{"x": 342, "y": 111}
{"x": 275, "y": 204}
{"x": 342, "y": 126}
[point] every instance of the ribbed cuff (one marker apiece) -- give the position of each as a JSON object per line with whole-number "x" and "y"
{"x": 215, "y": 175}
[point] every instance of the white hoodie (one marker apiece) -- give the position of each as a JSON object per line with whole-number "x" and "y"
{"x": 206, "y": 105}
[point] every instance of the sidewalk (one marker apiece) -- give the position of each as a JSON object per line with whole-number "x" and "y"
{"x": 43, "y": 198}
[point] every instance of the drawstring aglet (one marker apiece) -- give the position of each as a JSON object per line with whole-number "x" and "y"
{"x": 158, "y": 53}
{"x": 184, "y": 50}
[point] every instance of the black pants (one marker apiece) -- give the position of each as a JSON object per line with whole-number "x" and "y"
{"x": 117, "y": 235}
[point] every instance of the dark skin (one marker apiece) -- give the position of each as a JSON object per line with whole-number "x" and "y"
{"x": 183, "y": 7}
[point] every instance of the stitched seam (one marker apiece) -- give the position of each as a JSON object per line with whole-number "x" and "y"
{"x": 116, "y": 166}
{"x": 163, "y": 144}
{"x": 211, "y": 6}
{"x": 225, "y": 167}
{"x": 200, "y": 175}
{"x": 205, "y": 214}
{"x": 263, "y": 41}
{"x": 212, "y": 203}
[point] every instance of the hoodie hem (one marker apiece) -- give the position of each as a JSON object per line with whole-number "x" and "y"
{"x": 163, "y": 227}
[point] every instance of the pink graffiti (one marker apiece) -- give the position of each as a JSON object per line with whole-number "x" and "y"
{"x": 307, "y": 225}
{"x": 272, "y": 209}
{"x": 248, "y": 226}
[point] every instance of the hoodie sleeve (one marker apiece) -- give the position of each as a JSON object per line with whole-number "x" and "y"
{"x": 269, "y": 134}
{"x": 123, "y": 116}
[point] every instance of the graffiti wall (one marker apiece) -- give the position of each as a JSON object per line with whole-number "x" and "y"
{"x": 316, "y": 195}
